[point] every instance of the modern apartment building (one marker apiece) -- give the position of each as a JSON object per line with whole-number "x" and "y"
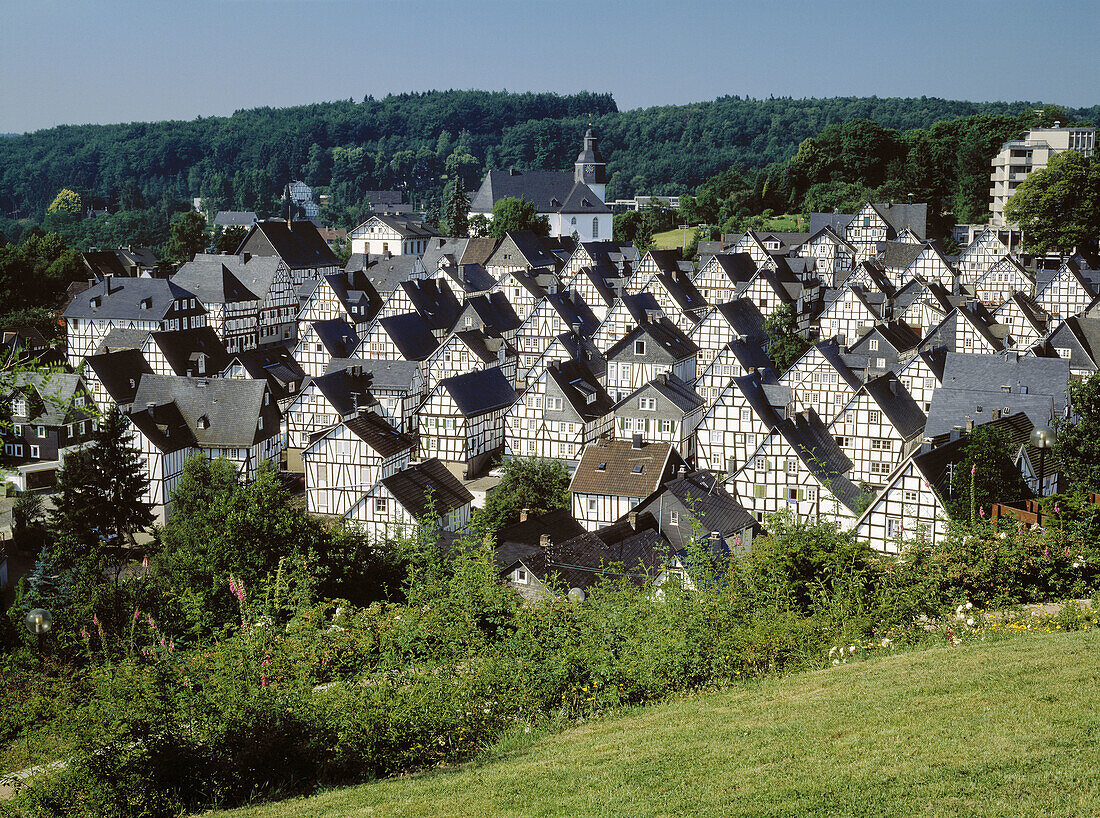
{"x": 1020, "y": 157}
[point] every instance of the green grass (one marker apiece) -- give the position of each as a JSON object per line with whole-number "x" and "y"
{"x": 674, "y": 239}
{"x": 1002, "y": 728}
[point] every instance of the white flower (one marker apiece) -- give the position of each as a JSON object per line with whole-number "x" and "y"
{"x": 836, "y": 661}
{"x": 832, "y": 651}
{"x": 969, "y": 605}
{"x": 970, "y": 621}
{"x": 959, "y": 615}
{"x": 851, "y": 649}
{"x": 959, "y": 609}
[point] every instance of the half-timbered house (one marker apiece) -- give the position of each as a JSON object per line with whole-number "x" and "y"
{"x": 348, "y": 296}
{"x": 431, "y": 298}
{"x": 977, "y": 257}
{"x": 724, "y": 275}
{"x": 626, "y": 313}
{"x": 462, "y": 420}
{"x": 1027, "y": 322}
{"x": 1000, "y": 281}
{"x": 1066, "y": 292}
{"x": 822, "y": 379}
{"x": 664, "y": 410}
{"x": 347, "y": 461}
{"x": 397, "y": 234}
{"x": 564, "y": 409}
{"x": 885, "y": 346}
{"x": 51, "y": 415}
{"x": 398, "y": 387}
{"x": 326, "y": 400}
{"x": 300, "y": 245}
{"x": 1077, "y": 340}
{"x": 735, "y": 359}
{"x": 321, "y": 341}
{"x": 614, "y": 476}
{"x": 877, "y": 428}
{"x": 725, "y": 322}
{"x": 922, "y": 375}
{"x": 553, "y": 315}
{"x": 850, "y": 312}
{"x": 652, "y": 348}
{"x": 491, "y": 313}
{"x": 835, "y": 257}
{"x": 467, "y": 350}
{"x": 678, "y": 298}
{"x": 747, "y": 408}
{"x": 406, "y": 337}
{"x": 112, "y": 377}
{"x": 421, "y": 493}
{"x": 273, "y": 364}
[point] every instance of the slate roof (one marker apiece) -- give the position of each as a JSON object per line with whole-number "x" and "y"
{"x": 749, "y": 353}
{"x": 385, "y": 273}
{"x": 533, "y": 253}
{"x": 410, "y": 487}
{"x": 182, "y": 349}
{"x": 495, "y": 311}
{"x": 670, "y": 261}
{"x": 393, "y": 376}
{"x": 767, "y": 397}
{"x": 837, "y": 222}
{"x": 701, "y": 494}
{"x": 234, "y": 218}
{"x": 573, "y": 311}
{"x": 580, "y": 386}
{"x": 559, "y": 524}
{"x": 469, "y": 278}
{"x": 900, "y": 216}
{"x": 405, "y": 226}
{"x": 896, "y": 404}
{"x": 347, "y": 390}
{"x": 220, "y": 279}
{"x": 738, "y": 267}
{"x": 356, "y": 293}
{"x": 664, "y": 343}
{"x": 619, "y": 476}
{"x": 377, "y": 433}
{"x": 433, "y": 300}
{"x": 548, "y": 191}
{"x": 481, "y": 391}
{"x": 123, "y": 338}
{"x": 686, "y": 295}
{"x": 338, "y": 337}
{"x": 821, "y": 454}
{"x": 682, "y": 397}
{"x": 411, "y": 334}
{"x": 104, "y": 263}
{"x": 125, "y": 297}
{"x": 641, "y": 306}
{"x": 231, "y": 406}
{"x": 57, "y": 391}
{"x": 120, "y": 372}
{"x": 299, "y": 244}
{"x": 479, "y": 250}
{"x": 484, "y": 346}
{"x": 900, "y": 255}
{"x": 832, "y": 352}
{"x": 443, "y": 251}
{"x": 276, "y": 365}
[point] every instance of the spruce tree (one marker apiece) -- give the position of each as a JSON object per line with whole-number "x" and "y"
{"x": 457, "y": 210}
{"x": 120, "y": 477}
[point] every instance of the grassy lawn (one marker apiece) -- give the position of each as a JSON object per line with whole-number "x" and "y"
{"x": 674, "y": 239}
{"x": 1004, "y": 728}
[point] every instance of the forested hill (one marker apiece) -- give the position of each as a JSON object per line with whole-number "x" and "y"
{"x": 412, "y": 140}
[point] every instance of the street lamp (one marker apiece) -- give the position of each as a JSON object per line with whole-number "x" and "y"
{"x": 684, "y": 227}
{"x": 1042, "y": 438}
{"x": 576, "y": 596}
{"x": 38, "y": 622}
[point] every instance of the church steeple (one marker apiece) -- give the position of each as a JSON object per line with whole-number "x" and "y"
{"x": 590, "y": 167}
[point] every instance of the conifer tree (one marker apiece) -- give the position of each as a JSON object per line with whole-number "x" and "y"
{"x": 457, "y": 210}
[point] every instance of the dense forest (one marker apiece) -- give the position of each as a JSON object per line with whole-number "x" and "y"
{"x": 415, "y": 141}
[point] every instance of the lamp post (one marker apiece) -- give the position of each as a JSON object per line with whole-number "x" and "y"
{"x": 576, "y": 596}
{"x": 1042, "y": 438}
{"x": 39, "y": 622}
{"x": 684, "y": 227}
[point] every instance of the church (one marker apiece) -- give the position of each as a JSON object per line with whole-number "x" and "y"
{"x": 573, "y": 202}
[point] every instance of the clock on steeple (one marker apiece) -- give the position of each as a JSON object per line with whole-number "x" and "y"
{"x": 590, "y": 167}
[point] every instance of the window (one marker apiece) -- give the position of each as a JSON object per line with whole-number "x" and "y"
{"x": 639, "y": 347}
{"x": 746, "y": 415}
{"x": 760, "y": 464}
{"x": 893, "y": 527}
{"x": 811, "y": 494}
{"x": 521, "y": 576}
{"x": 1063, "y": 352}
{"x": 880, "y": 444}
{"x": 874, "y": 416}
{"x": 79, "y": 401}
{"x": 910, "y": 496}
{"x": 843, "y": 442}
{"x": 666, "y": 427}
{"x": 637, "y": 469}
{"x": 35, "y": 451}
{"x": 792, "y": 466}
{"x": 874, "y": 345}
{"x": 880, "y": 468}
{"x": 674, "y": 518}
{"x": 592, "y": 504}
{"x": 19, "y": 407}
{"x": 792, "y": 495}
{"x": 595, "y": 227}
{"x": 647, "y": 404}
{"x": 41, "y": 431}
{"x": 380, "y": 505}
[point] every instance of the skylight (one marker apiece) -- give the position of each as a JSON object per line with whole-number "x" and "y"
{"x": 638, "y": 468}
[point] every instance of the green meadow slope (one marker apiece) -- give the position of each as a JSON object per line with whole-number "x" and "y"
{"x": 1006, "y": 728}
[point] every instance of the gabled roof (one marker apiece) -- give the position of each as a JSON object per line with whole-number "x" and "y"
{"x": 827, "y": 232}
{"x": 469, "y": 278}
{"x": 338, "y": 337}
{"x": 896, "y": 404}
{"x": 299, "y": 244}
{"x": 573, "y": 311}
{"x": 669, "y": 261}
{"x": 749, "y": 353}
{"x": 682, "y": 396}
{"x": 123, "y": 299}
{"x": 765, "y": 394}
{"x": 377, "y": 433}
{"x": 1036, "y": 316}
{"x": 276, "y": 365}
{"x": 347, "y": 390}
{"x": 548, "y": 191}
{"x": 819, "y": 452}
{"x": 475, "y": 393}
{"x": 495, "y": 311}
{"x": 54, "y": 393}
{"x": 120, "y": 372}
{"x": 664, "y": 343}
{"x": 234, "y": 218}
{"x": 182, "y": 349}
{"x": 832, "y": 352}
{"x": 616, "y": 468}
{"x": 413, "y": 486}
{"x": 433, "y": 300}
{"x": 394, "y": 376}
{"x": 405, "y": 226}
{"x": 220, "y": 412}
{"x": 385, "y": 273}
{"x": 123, "y": 338}
{"x": 580, "y": 386}
{"x": 354, "y": 289}
{"x": 837, "y": 222}
{"x": 559, "y": 524}
{"x": 682, "y": 291}
{"x": 901, "y": 255}
{"x": 411, "y": 334}
{"x": 700, "y": 494}
{"x": 531, "y": 251}
{"x": 641, "y": 306}
{"x": 738, "y": 267}
{"x": 912, "y": 216}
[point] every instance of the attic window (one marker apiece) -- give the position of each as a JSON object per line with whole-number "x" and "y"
{"x": 638, "y": 468}
{"x": 639, "y": 347}
{"x": 204, "y": 422}
{"x": 601, "y": 467}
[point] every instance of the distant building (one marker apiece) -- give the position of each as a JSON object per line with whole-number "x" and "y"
{"x": 1020, "y": 157}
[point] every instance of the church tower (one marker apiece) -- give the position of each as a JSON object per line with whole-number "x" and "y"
{"x": 590, "y": 167}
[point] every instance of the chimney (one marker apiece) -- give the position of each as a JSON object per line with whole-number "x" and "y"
{"x": 954, "y": 434}
{"x": 246, "y": 257}
{"x": 925, "y": 446}
{"x": 996, "y": 414}
{"x": 662, "y": 378}
{"x": 523, "y": 514}
{"x": 970, "y": 424}
{"x": 632, "y": 518}
{"x": 1057, "y": 123}
{"x": 715, "y": 538}
{"x": 544, "y": 540}
{"x": 683, "y": 470}
{"x": 637, "y": 441}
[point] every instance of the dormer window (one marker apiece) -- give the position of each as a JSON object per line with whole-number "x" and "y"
{"x": 145, "y": 303}
{"x": 204, "y": 422}
{"x": 260, "y": 424}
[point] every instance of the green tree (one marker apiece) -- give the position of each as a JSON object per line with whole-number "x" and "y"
{"x": 510, "y": 214}
{"x": 985, "y": 475}
{"x": 66, "y": 201}
{"x": 1078, "y": 444}
{"x": 187, "y": 236}
{"x": 230, "y": 239}
{"x": 480, "y": 226}
{"x": 1058, "y": 207}
{"x": 456, "y": 211}
{"x": 785, "y": 344}
{"x": 536, "y": 484}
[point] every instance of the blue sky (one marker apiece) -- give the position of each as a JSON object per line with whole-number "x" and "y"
{"x": 76, "y": 61}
